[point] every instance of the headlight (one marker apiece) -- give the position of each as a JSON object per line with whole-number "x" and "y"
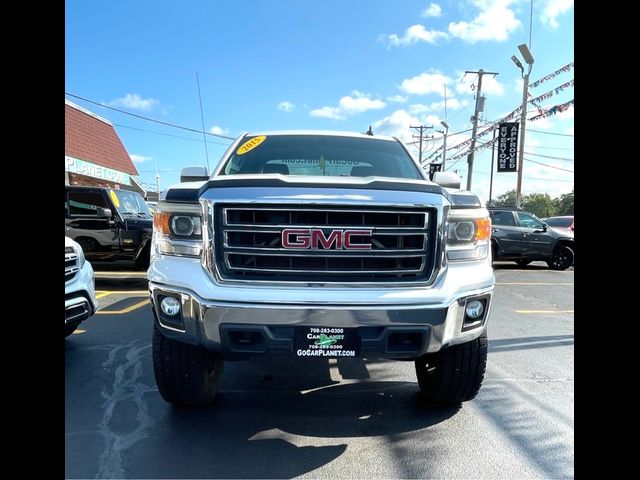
{"x": 468, "y": 235}
{"x": 177, "y": 229}
{"x": 81, "y": 259}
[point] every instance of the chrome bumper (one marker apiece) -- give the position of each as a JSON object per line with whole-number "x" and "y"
{"x": 436, "y": 312}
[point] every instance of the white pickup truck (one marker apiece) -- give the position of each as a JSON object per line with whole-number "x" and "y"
{"x": 319, "y": 244}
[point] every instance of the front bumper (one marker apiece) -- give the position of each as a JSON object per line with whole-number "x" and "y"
{"x": 392, "y": 322}
{"x": 80, "y": 296}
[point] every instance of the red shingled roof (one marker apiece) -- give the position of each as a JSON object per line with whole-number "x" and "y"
{"x": 93, "y": 140}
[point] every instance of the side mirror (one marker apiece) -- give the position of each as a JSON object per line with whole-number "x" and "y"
{"x": 543, "y": 228}
{"x": 103, "y": 212}
{"x": 194, "y": 174}
{"x": 447, "y": 179}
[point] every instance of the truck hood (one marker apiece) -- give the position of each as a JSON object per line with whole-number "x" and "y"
{"x": 192, "y": 191}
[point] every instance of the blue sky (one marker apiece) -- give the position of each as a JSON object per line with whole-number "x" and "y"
{"x": 334, "y": 65}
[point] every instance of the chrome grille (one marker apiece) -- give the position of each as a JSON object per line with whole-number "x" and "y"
{"x": 70, "y": 263}
{"x": 399, "y": 248}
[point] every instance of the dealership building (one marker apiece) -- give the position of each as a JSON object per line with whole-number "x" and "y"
{"x": 94, "y": 155}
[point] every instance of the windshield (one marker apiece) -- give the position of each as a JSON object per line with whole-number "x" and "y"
{"x": 321, "y": 155}
{"x": 130, "y": 203}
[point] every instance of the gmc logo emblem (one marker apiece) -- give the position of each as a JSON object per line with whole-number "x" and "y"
{"x": 305, "y": 238}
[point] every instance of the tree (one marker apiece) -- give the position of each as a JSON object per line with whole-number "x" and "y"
{"x": 564, "y": 204}
{"x": 507, "y": 199}
{"x": 540, "y": 204}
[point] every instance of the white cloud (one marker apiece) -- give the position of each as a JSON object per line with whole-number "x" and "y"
{"x": 286, "y": 106}
{"x": 425, "y": 83}
{"x": 135, "y": 102}
{"x": 566, "y": 115}
{"x": 433, "y": 10}
{"x": 552, "y": 9}
{"x": 397, "y": 99}
{"x": 216, "y": 130}
{"x": 569, "y": 131}
{"x": 490, "y": 84}
{"x": 358, "y": 102}
{"x": 494, "y": 21}
{"x": 518, "y": 85}
{"x": 397, "y": 125}
{"x": 451, "y": 102}
{"x": 417, "y": 108}
{"x": 416, "y": 33}
{"x": 139, "y": 158}
{"x": 327, "y": 112}
{"x": 540, "y": 124}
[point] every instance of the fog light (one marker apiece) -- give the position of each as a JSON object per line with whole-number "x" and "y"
{"x": 475, "y": 309}
{"x": 170, "y": 306}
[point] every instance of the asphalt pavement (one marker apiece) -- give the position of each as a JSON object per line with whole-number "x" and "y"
{"x": 318, "y": 418}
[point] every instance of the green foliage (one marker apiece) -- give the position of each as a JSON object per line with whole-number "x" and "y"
{"x": 507, "y": 199}
{"x": 564, "y": 204}
{"x": 540, "y": 204}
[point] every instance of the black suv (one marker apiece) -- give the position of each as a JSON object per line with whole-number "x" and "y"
{"x": 521, "y": 236}
{"x": 111, "y": 225}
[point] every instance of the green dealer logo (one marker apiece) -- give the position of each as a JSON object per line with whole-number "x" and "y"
{"x": 325, "y": 340}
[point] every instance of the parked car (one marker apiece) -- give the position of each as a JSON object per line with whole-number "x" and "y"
{"x": 563, "y": 222}
{"x": 110, "y": 224}
{"x": 79, "y": 287}
{"x": 152, "y": 206}
{"x": 522, "y": 237}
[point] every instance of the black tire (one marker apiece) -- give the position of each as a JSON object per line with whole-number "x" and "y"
{"x": 142, "y": 262}
{"x": 69, "y": 328}
{"x": 494, "y": 251}
{"x": 523, "y": 263}
{"x": 187, "y": 375}
{"x": 561, "y": 259}
{"x": 455, "y": 374}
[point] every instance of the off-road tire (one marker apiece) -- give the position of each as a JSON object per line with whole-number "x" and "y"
{"x": 453, "y": 375}
{"x": 186, "y": 375}
{"x": 69, "y": 328}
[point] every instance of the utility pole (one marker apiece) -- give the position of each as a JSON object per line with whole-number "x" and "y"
{"x": 479, "y": 108}
{"x": 421, "y": 129}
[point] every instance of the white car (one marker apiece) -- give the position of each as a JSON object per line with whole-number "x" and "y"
{"x": 79, "y": 287}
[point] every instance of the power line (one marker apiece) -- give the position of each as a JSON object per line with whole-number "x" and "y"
{"x": 549, "y": 156}
{"x": 167, "y": 134}
{"x": 147, "y": 118}
{"x": 549, "y": 148}
{"x": 551, "y": 133}
{"x": 550, "y": 166}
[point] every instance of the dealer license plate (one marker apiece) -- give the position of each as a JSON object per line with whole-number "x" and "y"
{"x": 327, "y": 342}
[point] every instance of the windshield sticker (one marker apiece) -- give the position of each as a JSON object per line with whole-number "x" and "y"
{"x": 250, "y": 144}
{"x": 115, "y": 199}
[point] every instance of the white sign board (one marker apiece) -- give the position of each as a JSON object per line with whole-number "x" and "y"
{"x": 75, "y": 165}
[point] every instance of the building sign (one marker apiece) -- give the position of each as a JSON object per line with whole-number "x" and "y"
{"x": 508, "y": 147}
{"x": 75, "y": 165}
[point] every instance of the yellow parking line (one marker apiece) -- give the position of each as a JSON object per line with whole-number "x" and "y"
{"x": 124, "y": 310}
{"x": 544, "y": 311}
{"x": 104, "y": 293}
{"x": 534, "y": 283}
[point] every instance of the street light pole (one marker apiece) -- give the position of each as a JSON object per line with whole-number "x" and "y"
{"x": 528, "y": 58}
{"x": 444, "y": 144}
